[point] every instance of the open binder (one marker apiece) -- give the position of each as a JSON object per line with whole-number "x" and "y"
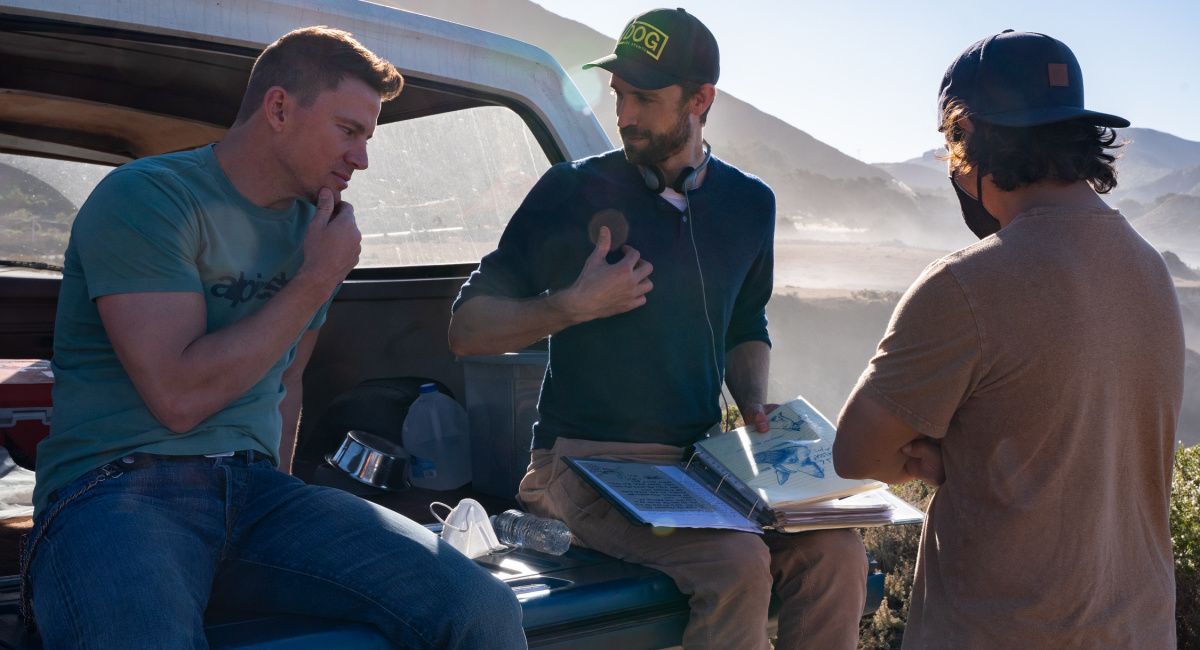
{"x": 744, "y": 480}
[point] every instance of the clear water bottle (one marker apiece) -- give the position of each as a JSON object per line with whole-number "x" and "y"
{"x": 437, "y": 440}
{"x": 517, "y": 528}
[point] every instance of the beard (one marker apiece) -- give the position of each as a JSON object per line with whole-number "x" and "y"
{"x": 657, "y": 147}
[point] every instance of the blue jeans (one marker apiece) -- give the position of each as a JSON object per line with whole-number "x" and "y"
{"x": 132, "y": 554}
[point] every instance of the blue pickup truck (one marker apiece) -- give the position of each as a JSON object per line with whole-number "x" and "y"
{"x": 87, "y": 86}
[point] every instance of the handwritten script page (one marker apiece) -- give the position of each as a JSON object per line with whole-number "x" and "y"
{"x": 790, "y": 464}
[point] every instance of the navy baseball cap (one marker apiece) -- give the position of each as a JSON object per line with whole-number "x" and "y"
{"x": 1019, "y": 79}
{"x": 661, "y": 48}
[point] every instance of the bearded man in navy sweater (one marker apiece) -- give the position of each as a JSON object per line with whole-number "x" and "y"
{"x": 650, "y": 268}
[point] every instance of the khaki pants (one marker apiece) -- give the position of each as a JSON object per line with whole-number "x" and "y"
{"x": 820, "y": 576}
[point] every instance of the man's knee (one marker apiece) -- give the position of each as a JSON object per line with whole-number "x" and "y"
{"x": 823, "y": 556}
{"x": 841, "y": 547}
{"x": 82, "y": 603}
{"x": 733, "y": 566}
{"x": 750, "y": 565}
{"x": 484, "y": 612}
{"x": 843, "y": 560}
{"x": 495, "y": 601}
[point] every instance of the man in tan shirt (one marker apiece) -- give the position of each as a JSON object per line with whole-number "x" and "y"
{"x": 1036, "y": 376}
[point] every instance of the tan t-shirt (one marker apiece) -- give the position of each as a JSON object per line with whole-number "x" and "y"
{"x": 1049, "y": 360}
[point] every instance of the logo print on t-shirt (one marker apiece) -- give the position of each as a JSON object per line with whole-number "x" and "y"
{"x": 242, "y": 289}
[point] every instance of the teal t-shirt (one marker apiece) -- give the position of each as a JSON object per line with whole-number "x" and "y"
{"x": 166, "y": 223}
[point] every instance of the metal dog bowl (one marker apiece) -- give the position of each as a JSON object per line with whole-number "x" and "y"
{"x": 372, "y": 460}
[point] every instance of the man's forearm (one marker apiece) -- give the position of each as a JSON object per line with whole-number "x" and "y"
{"x": 228, "y": 362}
{"x": 491, "y": 325}
{"x": 870, "y": 440}
{"x": 186, "y": 375}
{"x": 747, "y": 367}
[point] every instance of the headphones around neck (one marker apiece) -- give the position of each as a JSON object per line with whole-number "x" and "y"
{"x": 688, "y": 179}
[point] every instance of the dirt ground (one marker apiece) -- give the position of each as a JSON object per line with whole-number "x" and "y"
{"x": 801, "y": 263}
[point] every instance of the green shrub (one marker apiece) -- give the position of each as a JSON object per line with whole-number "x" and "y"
{"x": 895, "y": 548}
{"x": 731, "y": 418}
{"x": 1185, "y": 534}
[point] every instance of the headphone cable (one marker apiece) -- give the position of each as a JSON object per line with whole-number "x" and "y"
{"x": 726, "y": 420}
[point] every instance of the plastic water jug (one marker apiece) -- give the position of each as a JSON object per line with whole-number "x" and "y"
{"x": 436, "y": 438}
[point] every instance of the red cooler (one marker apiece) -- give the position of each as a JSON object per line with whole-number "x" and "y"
{"x": 24, "y": 406}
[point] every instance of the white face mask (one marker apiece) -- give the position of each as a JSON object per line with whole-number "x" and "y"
{"x": 468, "y": 529}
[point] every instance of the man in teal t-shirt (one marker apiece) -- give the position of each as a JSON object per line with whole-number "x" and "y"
{"x": 172, "y": 223}
{"x": 193, "y": 291}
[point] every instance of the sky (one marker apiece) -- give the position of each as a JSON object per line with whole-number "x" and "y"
{"x": 863, "y": 75}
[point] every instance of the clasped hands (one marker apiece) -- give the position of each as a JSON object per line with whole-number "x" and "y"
{"x": 924, "y": 460}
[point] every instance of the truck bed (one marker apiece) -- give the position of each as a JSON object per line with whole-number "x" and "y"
{"x": 582, "y": 600}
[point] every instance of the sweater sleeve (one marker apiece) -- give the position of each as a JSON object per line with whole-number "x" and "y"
{"x": 748, "y": 321}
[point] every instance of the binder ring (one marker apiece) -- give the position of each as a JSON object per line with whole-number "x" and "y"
{"x": 753, "y": 508}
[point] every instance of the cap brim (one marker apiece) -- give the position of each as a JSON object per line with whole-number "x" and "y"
{"x": 633, "y": 73}
{"x": 1040, "y": 116}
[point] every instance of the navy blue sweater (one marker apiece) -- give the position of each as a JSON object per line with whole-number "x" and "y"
{"x": 647, "y": 375}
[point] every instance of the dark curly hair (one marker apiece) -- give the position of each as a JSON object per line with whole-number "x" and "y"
{"x": 1066, "y": 152}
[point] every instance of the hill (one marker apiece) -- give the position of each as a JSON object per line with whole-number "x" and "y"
{"x": 819, "y": 191}
{"x": 1174, "y": 223}
{"x": 1149, "y": 156}
{"x": 1149, "y": 164}
{"x": 731, "y": 122}
{"x": 1158, "y": 175}
{"x": 822, "y": 193}
{"x": 1181, "y": 181}
{"x": 923, "y": 174}
{"x": 35, "y": 218}
{"x": 1178, "y": 269}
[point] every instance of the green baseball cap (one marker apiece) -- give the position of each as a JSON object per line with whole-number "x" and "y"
{"x": 661, "y": 48}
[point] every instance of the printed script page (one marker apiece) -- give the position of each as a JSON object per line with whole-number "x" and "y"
{"x": 661, "y": 495}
